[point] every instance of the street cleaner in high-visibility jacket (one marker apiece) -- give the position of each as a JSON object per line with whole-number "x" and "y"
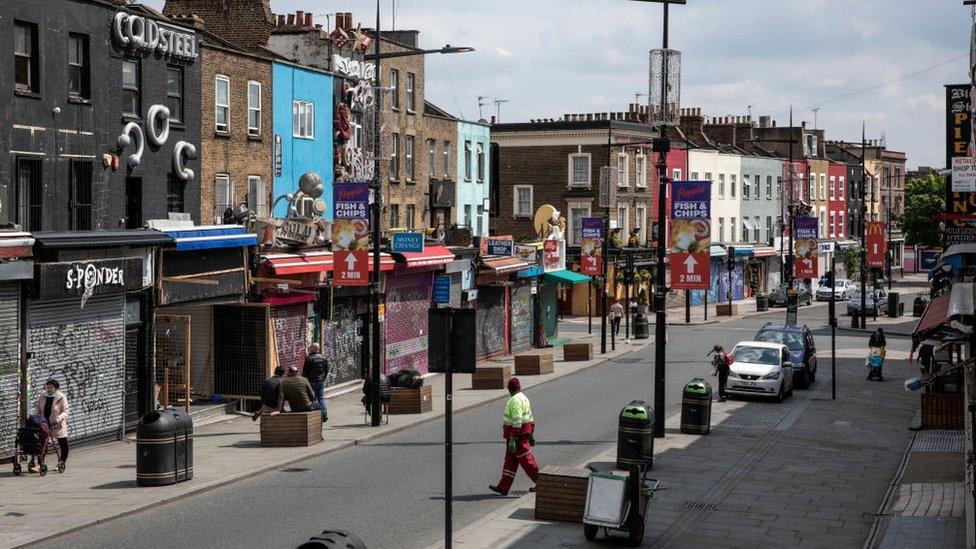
{"x": 518, "y": 432}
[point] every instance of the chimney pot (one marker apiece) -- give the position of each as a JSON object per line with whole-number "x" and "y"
{"x": 347, "y": 16}
{"x": 281, "y": 20}
{"x": 492, "y": 119}
{"x": 318, "y": 26}
{"x": 291, "y": 19}
{"x": 308, "y": 20}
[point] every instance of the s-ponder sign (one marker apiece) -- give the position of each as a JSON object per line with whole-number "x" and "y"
{"x": 139, "y": 33}
{"x": 691, "y": 235}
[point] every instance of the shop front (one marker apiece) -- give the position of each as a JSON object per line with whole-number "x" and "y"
{"x": 492, "y": 309}
{"x": 16, "y": 270}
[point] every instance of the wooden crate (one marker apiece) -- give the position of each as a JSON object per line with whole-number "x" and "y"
{"x": 943, "y": 411}
{"x": 407, "y": 400}
{"x": 491, "y": 377}
{"x": 291, "y": 429}
{"x": 575, "y": 352}
{"x": 561, "y": 493}
{"x": 533, "y": 365}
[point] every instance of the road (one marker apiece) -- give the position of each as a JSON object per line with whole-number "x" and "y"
{"x": 389, "y": 491}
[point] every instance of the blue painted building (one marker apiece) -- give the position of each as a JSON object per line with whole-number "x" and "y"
{"x": 303, "y": 122}
{"x": 473, "y": 168}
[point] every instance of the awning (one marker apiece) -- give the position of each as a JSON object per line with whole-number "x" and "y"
{"x": 933, "y": 317}
{"x": 299, "y": 263}
{"x": 387, "y": 263}
{"x": 101, "y": 239}
{"x": 503, "y": 264}
{"x": 765, "y": 251}
{"x": 748, "y": 223}
{"x": 15, "y": 244}
{"x": 431, "y": 256}
{"x": 207, "y": 237}
{"x": 943, "y": 312}
{"x": 531, "y": 272}
{"x": 567, "y": 277}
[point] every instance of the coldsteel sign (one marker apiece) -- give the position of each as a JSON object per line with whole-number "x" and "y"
{"x": 137, "y": 32}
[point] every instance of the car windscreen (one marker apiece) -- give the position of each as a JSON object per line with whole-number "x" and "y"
{"x": 793, "y": 340}
{"x": 756, "y": 355}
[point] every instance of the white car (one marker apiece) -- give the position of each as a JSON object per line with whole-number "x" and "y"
{"x": 761, "y": 368}
{"x": 844, "y": 288}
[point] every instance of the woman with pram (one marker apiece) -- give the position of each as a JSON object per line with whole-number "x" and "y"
{"x": 876, "y": 355}
{"x": 53, "y": 407}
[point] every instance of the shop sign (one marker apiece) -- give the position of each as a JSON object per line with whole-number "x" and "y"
{"x": 963, "y": 174}
{"x": 960, "y": 227}
{"x": 296, "y": 230}
{"x": 350, "y": 234}
{"x": 408, "y": 243}
{"x": 140, "y": 33}
{"x": 553, "y": 258}
{"x": 277, "y": 155}
{"x": 497, "y": 246}
{"x": 88, "y": 278}
{"x": 826, "y": 248}
{"x": 442, "y": 289}
{"x": 876, "y": 243}
{"x": 529, "y": 254}
{"x": 353, "y": 68}
{"x": 591, "y": 246}
{"x": 691, "y": 235}
{"x": 806, "y": 248}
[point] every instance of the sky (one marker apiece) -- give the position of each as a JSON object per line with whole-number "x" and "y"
{"x": 550, "y": 57}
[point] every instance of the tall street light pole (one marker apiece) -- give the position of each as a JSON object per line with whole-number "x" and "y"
{"x": 864, "y": 195}
{"x": 791, "y": 211}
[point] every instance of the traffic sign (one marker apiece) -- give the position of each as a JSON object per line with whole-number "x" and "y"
{"x": 691, "y": 235}
{"x": 442, "y": 289}
{"x": 351, "y": 268}
{"x": 408, "y": 243}
{"x": 876, "y": 243}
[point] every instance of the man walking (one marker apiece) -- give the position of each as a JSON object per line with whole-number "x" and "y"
{"x": 518, "y": 431}
{"x": 316, "y": 371}
{"x": 616, "y": 313}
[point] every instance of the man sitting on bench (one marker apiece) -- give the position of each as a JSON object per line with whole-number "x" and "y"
{"x": 297, "y": 391}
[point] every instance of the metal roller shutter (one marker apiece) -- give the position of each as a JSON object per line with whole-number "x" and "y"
{"x": 407, "y": 305}
{"x": 9, "y": 365}
{"x": 84, "y": 349}
{"x": 523, "y": 309}
{"x": 490, "y": 319}
{"x": 291, "y": 331}
{"x": 342, "y": 341}
{"x": 455, "y": 290}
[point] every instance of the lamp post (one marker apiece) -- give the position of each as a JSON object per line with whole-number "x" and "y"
{"x": 864, "y": 321}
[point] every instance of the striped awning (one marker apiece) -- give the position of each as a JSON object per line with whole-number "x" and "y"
{"x": 431, "y": 256}
{"x": 15, "y": 244}
{"x": 387, "y": 263}
{"x": 503, "y": 264}
{"x": 209, "y": 237}
{"x": 299, "y": 263}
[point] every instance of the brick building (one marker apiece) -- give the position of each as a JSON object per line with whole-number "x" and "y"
{"x": 246, "y": 24}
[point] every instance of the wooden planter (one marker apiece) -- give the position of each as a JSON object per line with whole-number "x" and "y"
{"x": 575, "y": 352}
{"x": 943, "y": 411}
{"x": 533, "y": 365}
{"x": 291, "y": 429}
{"x": 561, "y": 493}
{"x": 405, "y": 400}
{"x": 491, "y": 377}
{"x": 724, "y": 309}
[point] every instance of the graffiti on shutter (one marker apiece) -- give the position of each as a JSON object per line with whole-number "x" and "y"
{"x": 9, "y": 361}
{"x": 490, "y": 319}
{"x": 549, "y": 316}
{"x": 342, "y": 341}
{"x": 522, "y": 317}
{"x": 407, "y": 305}
{"x": 290, "y": 332}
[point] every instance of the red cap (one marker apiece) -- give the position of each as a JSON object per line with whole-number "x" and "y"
{"x": 514, "y": 385}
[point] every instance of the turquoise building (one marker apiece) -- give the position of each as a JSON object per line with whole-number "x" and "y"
{"x": 302, "y": 131}
{"x": 473, "y": 157}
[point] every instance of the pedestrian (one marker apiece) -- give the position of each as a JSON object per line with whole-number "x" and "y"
{"x": 877, "y": 340}
{"x": 518, "y": 429}
{"x": 720, "y": 367}
{"x": 616, "y": 313}
{"x": 297, "y": 391}
{"x": 316, "y": 370}
{"x": 926, "y": 354}
{"x": 53, "y": 405}
{"x": 270, "y": 390}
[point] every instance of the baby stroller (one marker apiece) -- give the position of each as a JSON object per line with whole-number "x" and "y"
{"x": 32, "y": 440}
{"x": 874, "y": 363}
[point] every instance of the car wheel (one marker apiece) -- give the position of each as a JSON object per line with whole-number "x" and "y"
{"x": 590, "y": 531}
{"x": 790, "y": 392}
{"x": 780, "y": 396}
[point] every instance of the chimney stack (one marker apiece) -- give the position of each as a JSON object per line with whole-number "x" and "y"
{"x": 291, "y": 19}
{"x": 299, "y": 18}
{"x": 308, "y": 20}
{"x": 347, "y": 19}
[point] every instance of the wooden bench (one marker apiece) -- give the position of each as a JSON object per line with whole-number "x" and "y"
{"x": 291, "y": 429}
{"x": 561, "y": 493}
{"x": 533, "y": 365}
{"x": 407, "y": 400}
{"x": 576, "y": 352}
{"x": 491, "y": 377}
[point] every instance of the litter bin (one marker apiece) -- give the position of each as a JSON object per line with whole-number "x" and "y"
{"x": 918, "y": 306}
{"x": 893, "y": 301}
{"x": 334, "y": 538}
{"x": 164, "y": 448}
{"x": 641, "y": 328}
{"x": 635, "y": 436}
{"x": 696, "y": 407}
{"x": 762, "y": 303}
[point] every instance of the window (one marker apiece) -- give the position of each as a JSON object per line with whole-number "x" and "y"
{"x": 411, "y": 92}
{"x": 823, "y": 223}
{"x": 840, "y": 188}
{"x": 833, "y": 188}
{"x": 431, "y": 158}
{"x": 769, "y": 187}
{"x": 447, "y": 160}
{"x": 676, "y": 175}
{"x": 79, "y": 72}
{"x": 721, "y": 185}
{"x": 523, "y": 200}
{"x": 253, "y": 108}
{"x": 395, "y": 88}
{"x": 132, "y": 105}
{"x": 823, "y": 186}
{"x": 222, "y": 107}
{"x": 175, "y": 194}
{"x": 755, "y": 229}
{"x": 577, "y": 211}
{"x": 641, "y": 170}
{"x": 779, "y": 186}
{"x": 721, "y": 229}
{"x": 479, "y": 221}
{"x": 769, "y": 227}
{"x": 812, "y": 187}
{"x": 174, "y": 93}
{"x": 579, "y": 170}
{"x": 481, "y": 162}
{"x": 732, "y": 185}
{"x": 746, "y": 224}
{"x": 708, "y": 176}
{"x": 303, "y": 119}
{"x": 223, "y": 196}
{"x": 257, "y": 196}
{"x": 733, "y": 228}
{"x": 840, "y": 224}
{"x": 81, "y": 194}
{"x": 394, "y": 215}
{"x": 394, "y": 159}
{"x": 410, "y": 216}
{"x": 30, "y": 193}
{"x": 357, "y": 130}
{"x": 467, "y": 161}
{"x": 26, "y": 59}
{"x": 641, "y": 222}
{"x": 694, "y": 176}
{"x": 622, "y": 222}
{"x": 623, "y": 177}
{"x": 833, "y": 224}
{"x": 897, "y": 178}
{"x": 745, "y": 186}
{"x": 467, "y": 216}
{"x": 408, "y": 141}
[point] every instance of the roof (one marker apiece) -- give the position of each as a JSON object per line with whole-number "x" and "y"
{"x": 761, "y": 344}
{"x": 557, "y": 125}
{"x": 783, "y": 328}
{"x": 431, "y": 109}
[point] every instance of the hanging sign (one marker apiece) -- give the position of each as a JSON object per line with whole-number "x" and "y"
{"x": 497, "y": 245}
{"x": 691, "y": 235}
{"x": 408, "y": 243}
{"x": 141, "y": 33}
{"x": 553, "y": 258}
{"x": 350, "y": 234}
{"x": 442, "y": 289}
{"x": 962, "y": 228}
{"x": 591, "y": 246}
{"x": 876, "y": 243}
{"x": 806, "y": 247}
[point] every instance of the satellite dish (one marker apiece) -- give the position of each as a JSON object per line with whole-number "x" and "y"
{"x": 541, "y": 221}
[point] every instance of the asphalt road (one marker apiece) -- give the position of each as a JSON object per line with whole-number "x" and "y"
{"x": 389, "y": 491}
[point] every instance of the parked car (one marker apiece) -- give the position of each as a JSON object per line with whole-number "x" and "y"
{"x": 844, "y": 288}
{"x": 777, "y": 298}
{"x": 872, "y": 296}
{"x": 803, "y": 350}
{"x": 761, "y": 368}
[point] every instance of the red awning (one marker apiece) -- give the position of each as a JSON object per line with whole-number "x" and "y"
{"x": 431, "y": 256}
{"x": 288, "y": 299}
{"x": 935, "y": 315}
{"x": 503, "y": 264}
{"x": 15, "y": 244}
{"x": 300, "y": 263}
{"x": 387, "y": 262}
{"x": 764, "y": 251}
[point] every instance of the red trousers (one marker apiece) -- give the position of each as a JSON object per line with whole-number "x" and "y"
{"x": 522, "y": 456}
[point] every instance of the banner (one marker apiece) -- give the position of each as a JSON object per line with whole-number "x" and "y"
{"x": 691, "y": 235}
{"x": 806, "y": 248}
{"x": 960, "y": 230}
{"x": 591, "y": 246}
{"x": 876, "y": 243}
{"x": 350, "y": 234}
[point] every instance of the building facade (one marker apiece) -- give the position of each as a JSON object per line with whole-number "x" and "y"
{"x": 473, "y": 169}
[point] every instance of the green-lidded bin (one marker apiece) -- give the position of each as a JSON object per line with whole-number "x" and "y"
{"x": 696, "y": 407}
{"x": 635, "y": 436}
